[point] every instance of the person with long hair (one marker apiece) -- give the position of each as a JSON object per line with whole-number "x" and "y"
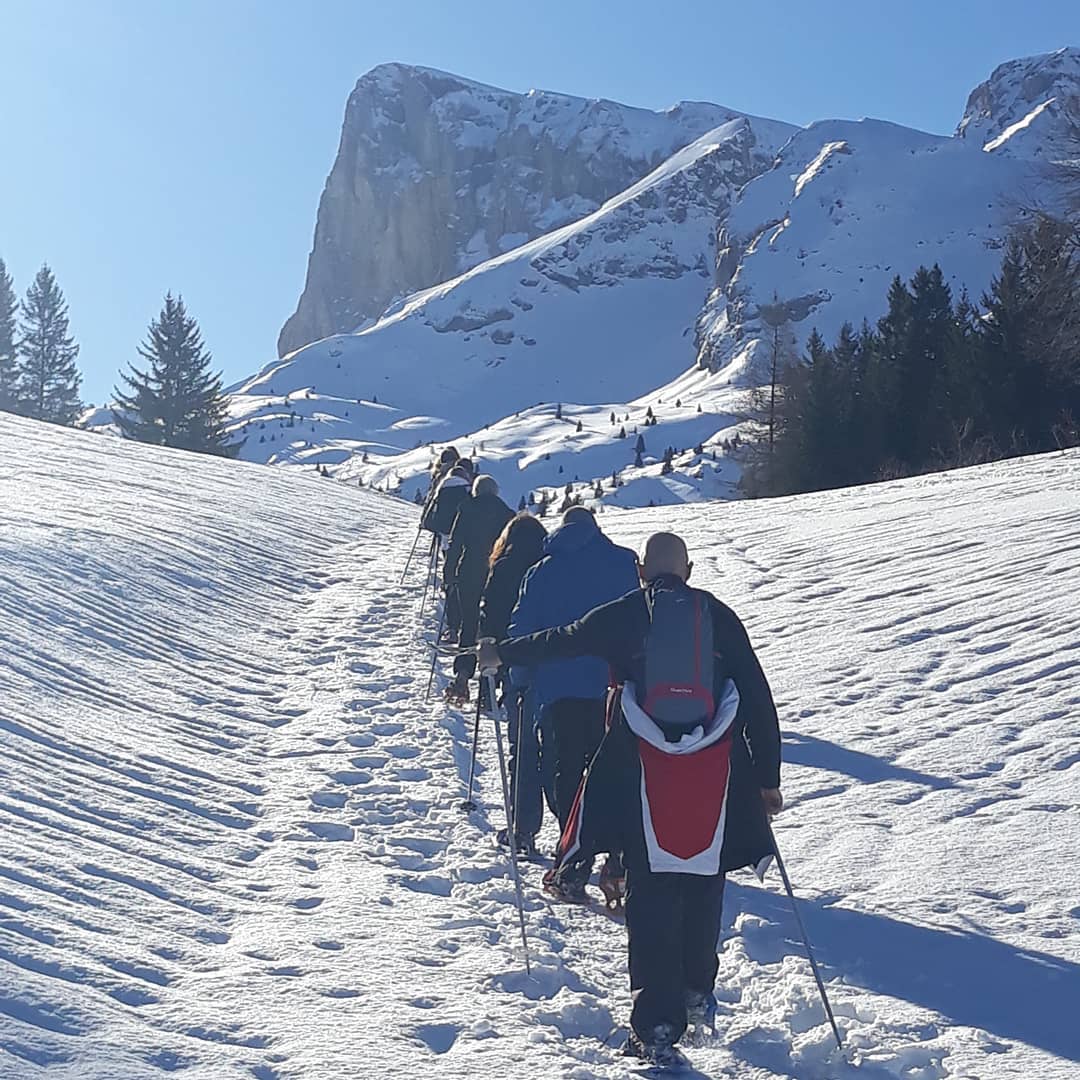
{"x": 518, "y": 548}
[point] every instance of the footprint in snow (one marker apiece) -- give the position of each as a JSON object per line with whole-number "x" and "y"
{"x": 351, "y": 777}
{"x": 388, "y": 729}
{"x": 330, "y": 799}
{"x": 402, "y": 751}
{"x": 438, "y": 1038}
{"x": 328, "y": 830}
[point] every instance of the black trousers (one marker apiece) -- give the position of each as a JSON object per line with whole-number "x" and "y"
{"x": 673, "y": 922}
{"x": 469, "y": 590}
{"x": 525, "y": 791}
{"x": 576, "y": 726}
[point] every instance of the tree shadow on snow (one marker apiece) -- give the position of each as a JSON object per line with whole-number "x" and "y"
{"x": 971, "y": 979}
{"x": 814, "y": 753}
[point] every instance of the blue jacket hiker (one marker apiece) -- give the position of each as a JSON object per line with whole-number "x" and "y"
{"x": 581, "y": 570}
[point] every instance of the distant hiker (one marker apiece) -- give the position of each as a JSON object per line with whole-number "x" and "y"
{"x": 683, "y": 783}
{"x": 519, "y": 547}
{"x": 445, "y": 498}
{"x": 581, "y": 569}
{"x": 480, "y": 519}
{"x": 442, "y": 465}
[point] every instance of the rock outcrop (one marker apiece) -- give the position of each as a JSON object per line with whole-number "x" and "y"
{"x": 1029, "y": 108}
{"x": 436, "y": 174}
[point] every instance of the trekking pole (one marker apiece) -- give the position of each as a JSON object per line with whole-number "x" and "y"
{"x": 468, "y": 804}
{"x": 806, "y": 939}
{"x": 435, "y": 653}
{"x": 431, "y": 571}
{"x": 517, "y": 762}
{"x": 490, "y": 679}
{"x": 412, "y": 550}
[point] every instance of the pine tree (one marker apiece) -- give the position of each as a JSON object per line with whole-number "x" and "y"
{"x": 48, "y": 379}
{"x": 177, "y": 401}
{"x": 9, "y": 369}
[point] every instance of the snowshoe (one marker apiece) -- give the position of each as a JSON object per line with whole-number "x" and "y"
{"x": 612, "y": 883}
{"x": 525, "y": 845}
{"x": 565, "y": 888}
{"x": 700, "y": 1017}
{"x": 457, "y": 693}
{"x": 658, "y": 1052}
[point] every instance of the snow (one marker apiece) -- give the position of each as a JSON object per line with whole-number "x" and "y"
{"x": 849, "y": 206}
{"x": 231, "y": 840}
{"x": 1021, "y": 125}
{"x": 538, "y": 323}
{"x": 1028, "y": 108}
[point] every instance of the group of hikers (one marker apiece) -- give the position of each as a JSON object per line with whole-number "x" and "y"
{"x": 639, "y": 715}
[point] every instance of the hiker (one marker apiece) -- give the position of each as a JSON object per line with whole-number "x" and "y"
{"x": 519, "y": 547}
{"x": 684, "y": 782}
{"x": 581, "y": 569}
{"x": 443, "y": 506}
{"x": 480, "y": 519}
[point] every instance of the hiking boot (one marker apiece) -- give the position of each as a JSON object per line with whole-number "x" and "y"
{"x": 569, "y": 888}
{"x": 457, "y": 693}
{"x": 612, "y": 883}
{"x": 657, "y": 1048}
{"x": 523, "y": 843}
{"x": 700, "y": 1010}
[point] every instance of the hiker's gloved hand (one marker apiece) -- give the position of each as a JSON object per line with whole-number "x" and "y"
{"x": 487, "y": 656}
{"x": 773, "y": 800}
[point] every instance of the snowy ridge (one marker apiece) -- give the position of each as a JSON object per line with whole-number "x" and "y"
{"x": 848, "y": 206}
{"x": 232, "y": 843}
{"x": 436, "y": 174}
{"x": 1029, "y": 108}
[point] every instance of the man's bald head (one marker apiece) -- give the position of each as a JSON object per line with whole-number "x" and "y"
{"x": 665, "y": 553}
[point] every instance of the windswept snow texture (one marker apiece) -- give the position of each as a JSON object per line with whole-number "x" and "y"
{"x": 231, "y": 841}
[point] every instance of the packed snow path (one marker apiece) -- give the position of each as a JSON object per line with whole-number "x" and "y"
{"x": 231, "y": 839}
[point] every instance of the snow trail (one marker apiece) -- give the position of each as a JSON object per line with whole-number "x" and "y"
{"x": 232, "y": 840}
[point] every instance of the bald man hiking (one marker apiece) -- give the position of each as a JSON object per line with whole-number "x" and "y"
{"x": 684, "y": 782}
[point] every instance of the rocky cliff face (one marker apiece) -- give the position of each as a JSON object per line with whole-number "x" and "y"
{"x": 435, "y": 174}
{"x": 599, "y": 310}
{"x": 1029, "y": 108}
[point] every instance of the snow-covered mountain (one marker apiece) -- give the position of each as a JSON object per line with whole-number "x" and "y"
{"x": 665, "y": 295}
{"x": 601, "y": 310}
{"x": 232, "y": 843}
{"x": 1029, "y": 107}
{"x": 849, "y": 205}
{"x": 436, "y": 174}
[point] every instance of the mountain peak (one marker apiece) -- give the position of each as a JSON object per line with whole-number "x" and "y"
{"x": 1028, "y": 108}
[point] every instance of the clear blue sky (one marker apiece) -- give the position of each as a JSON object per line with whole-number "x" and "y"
{"x": 152, "y": 145}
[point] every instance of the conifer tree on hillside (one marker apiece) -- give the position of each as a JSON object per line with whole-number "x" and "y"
{"x": 177, "y": 400}
{"x": 48, "y": 386}
{"x": 9, "y": 367}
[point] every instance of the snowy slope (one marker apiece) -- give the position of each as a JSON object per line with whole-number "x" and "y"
{"x": 849, "y": 206}
{"x": 600, "y": 310}
{"x": 231, "y": 841}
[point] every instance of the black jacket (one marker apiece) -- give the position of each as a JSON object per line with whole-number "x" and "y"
{"x": 617, "y": 632}
{"x": 442, "y": 509}
{"x": 480, "y": 519}
{"x": 502, "y": 590}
